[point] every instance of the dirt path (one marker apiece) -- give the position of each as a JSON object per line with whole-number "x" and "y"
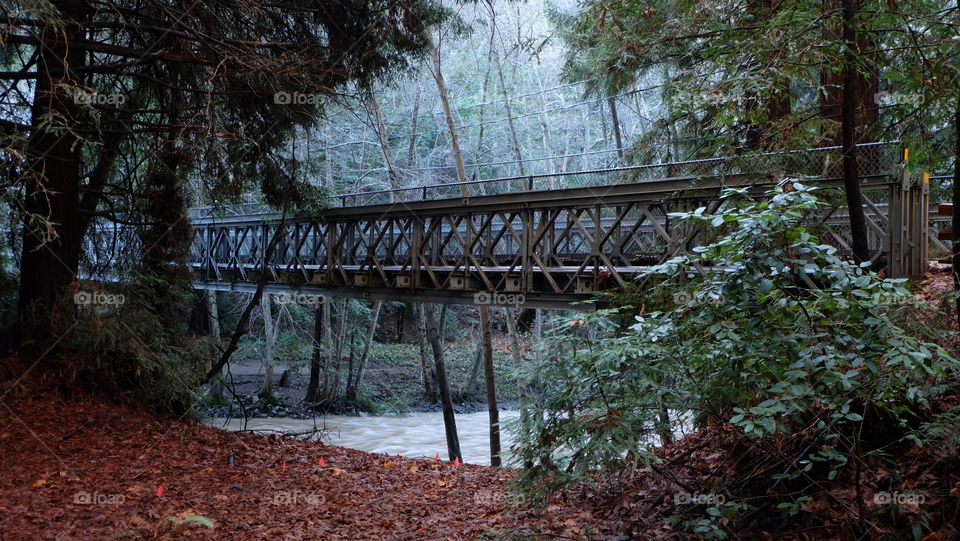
{"x": 83, "y": 469}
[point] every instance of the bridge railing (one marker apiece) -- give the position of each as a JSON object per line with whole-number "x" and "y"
{"x": 874, "y": 160}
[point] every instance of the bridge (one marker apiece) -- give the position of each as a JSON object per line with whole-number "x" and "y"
{"x": 544, "y": 241}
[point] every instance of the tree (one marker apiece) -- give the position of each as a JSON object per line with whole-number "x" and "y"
{"x": 222, "y": 86}
{"x": 723, "y": 69}
{"x": 269, "y": 341}
{"x": 434, "y": 333}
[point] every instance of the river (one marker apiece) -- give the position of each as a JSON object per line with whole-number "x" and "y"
{"x": 417, "y": 435}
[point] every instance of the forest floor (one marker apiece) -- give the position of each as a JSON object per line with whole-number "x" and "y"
{"x": 86, "y": 469}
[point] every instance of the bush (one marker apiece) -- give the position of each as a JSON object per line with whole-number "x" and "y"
{"x": 117, "y": 342}
{"x": 764, "y": 327}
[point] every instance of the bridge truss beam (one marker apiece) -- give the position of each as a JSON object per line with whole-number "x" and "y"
{"x": 544, "y": 248}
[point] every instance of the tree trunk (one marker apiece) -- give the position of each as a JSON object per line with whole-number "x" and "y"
{"x": 467, "y": 392}
{"x": 355, "y": 385}
{"x": 615, "y": 120}
{"x": 373, "y": 110}
{"x": 451, "y": 128}
{"x": 412, "y": 148}
{"x": 338, "y": 350}
{"x": 493, "y": 411}
{"x": 517, "y": 356}
{"x": 663, "y": 428}
{"x": 449, "y": 421}
{"x": 327, "y": 346}
{"x": 545, "y": 129}
{"x": 484, "y": 96}
{"x": 851, "y": 180}
{"x": 426, "y": 373}
{"x": 52, "y": 233}
{"x": 213, "y": 313}
{"x": 316, "y": 358}
{"x": 268, "y": 346}
{"x": 443, "y": 322}
{"x": 956, "y": 203}
{"x": 757, "y": 135}
{"x": 508, "y": 108}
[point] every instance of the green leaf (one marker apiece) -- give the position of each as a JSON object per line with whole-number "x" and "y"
{"x": 199, "y": 519}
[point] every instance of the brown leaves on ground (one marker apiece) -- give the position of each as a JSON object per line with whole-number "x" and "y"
{"x": 86, "y": 469}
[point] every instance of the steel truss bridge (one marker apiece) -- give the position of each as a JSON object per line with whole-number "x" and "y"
{"x": 546, "y": 240}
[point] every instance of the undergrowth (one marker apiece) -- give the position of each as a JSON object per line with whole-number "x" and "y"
{"x": 808, "y": 357}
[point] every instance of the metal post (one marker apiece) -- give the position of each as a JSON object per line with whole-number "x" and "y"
{"x": 897, "y": 266}
{"x": 919, "y": 227}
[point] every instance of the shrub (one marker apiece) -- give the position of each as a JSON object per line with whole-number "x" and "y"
{"x": 764, "y": 327}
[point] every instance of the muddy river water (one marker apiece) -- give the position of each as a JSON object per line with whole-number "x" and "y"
{"x": 417, "y": 435}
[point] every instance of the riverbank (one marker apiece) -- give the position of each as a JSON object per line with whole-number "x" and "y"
{"x": 391, "y": 386}
{"x": 87, "y": 469}
{"x": 417, "y": 435}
